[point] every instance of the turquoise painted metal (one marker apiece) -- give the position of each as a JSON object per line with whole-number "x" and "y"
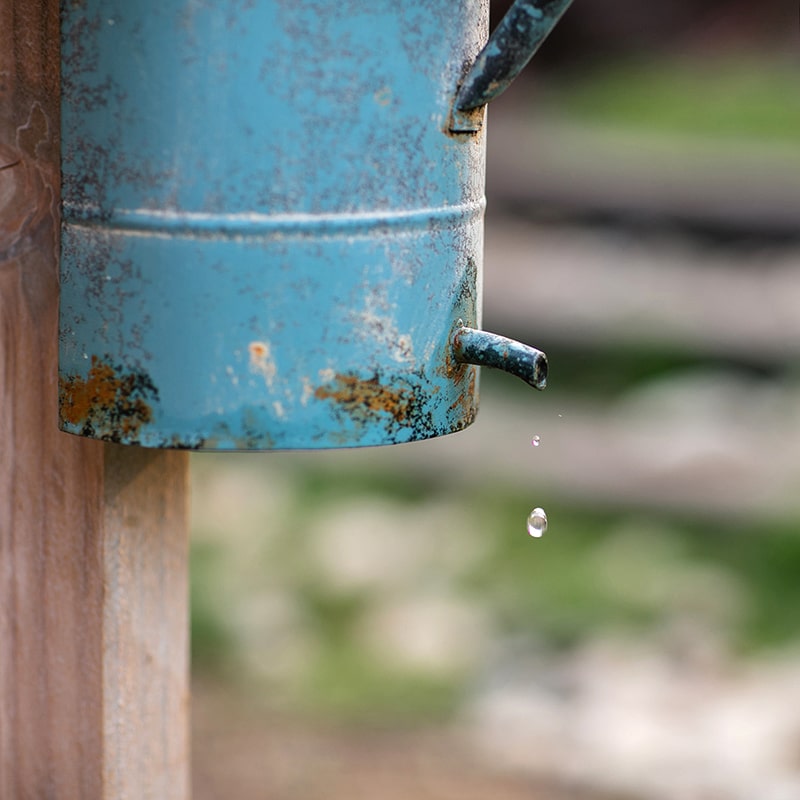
{"x": 272, "y": 235}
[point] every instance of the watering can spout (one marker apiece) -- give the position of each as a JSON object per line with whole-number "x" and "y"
{"x": 511, "y": 46}
{"x": 482, "y": 348}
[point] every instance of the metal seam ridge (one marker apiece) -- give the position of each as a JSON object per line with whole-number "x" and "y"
{"x": 199, "y": 224}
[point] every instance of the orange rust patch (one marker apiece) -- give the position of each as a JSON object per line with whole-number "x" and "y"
{"x": 108, "y": 403}
{"x": 364, "y": 397}
{"x": 466, "y": 404}
{"x": 258, "y": 350}
{"x": 466, "y": 399}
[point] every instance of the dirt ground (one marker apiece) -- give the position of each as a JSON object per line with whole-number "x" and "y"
{"x": 245, "y": 753}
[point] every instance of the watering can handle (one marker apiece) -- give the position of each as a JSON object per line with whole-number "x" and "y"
{"x": 510, "y": 47}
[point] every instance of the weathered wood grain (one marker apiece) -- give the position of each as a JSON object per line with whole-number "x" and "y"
{"x": 145, "y": 646}
{"x": 93, "y": 584}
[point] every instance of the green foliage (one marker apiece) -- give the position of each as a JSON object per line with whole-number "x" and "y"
{"x": 767, "y": 559}
{"x": 350, "y": 685}
{"x": 726, "y": 98}
{"x": 597, "y": 571}
{"x": 211, "y": 644}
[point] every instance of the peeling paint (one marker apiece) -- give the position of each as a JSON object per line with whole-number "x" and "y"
{"x": 377, "y": 321}
{"x": 308, "y": 390}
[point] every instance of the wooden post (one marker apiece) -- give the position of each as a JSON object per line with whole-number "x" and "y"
{"x": 93, "y": 545}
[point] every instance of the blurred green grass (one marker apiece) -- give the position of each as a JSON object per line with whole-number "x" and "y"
{"x": 597, "y": 571}
{"x": 733, "y": 97}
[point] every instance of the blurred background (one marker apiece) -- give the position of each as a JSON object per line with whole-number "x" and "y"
{"x": 378, "y": 623}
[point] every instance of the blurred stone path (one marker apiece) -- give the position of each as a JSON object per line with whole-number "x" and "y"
{"x": 649, "y": 720}
{"x": 241, "y": 753}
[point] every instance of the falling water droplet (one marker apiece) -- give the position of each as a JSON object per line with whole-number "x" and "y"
{"x": 537, "y": 522}
{"x": 536, "y": 441}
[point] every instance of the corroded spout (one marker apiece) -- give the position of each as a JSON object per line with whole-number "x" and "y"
{"x": 485, "y": 349}
{"x": 510, "y": 47}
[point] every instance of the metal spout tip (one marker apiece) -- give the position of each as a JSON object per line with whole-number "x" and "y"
{"x": 485, "y": 349}
{"x": 510, "y": 47}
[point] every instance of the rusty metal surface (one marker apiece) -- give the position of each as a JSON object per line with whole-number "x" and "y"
{"x": 109, "y": 403}
{"x": 268, "y": 222}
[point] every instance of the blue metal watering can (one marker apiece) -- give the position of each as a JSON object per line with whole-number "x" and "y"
{"x": 273, "y": 219}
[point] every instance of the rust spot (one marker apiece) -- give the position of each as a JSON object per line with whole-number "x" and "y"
{"x": 453, "y": 369}
{"x": 108, "y": 404}
{"x": 258, "y": 350}
{"x": 261, "y": 361}
{"x": 465, "y": 124}
{"x": 465, "y": 407}
{"x": 366, "y": 397}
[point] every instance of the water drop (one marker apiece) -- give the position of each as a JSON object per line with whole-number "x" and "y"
{"x": 536, "y": 441}
{"x": 537, "y": 522}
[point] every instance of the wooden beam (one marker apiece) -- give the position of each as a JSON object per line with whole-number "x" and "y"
{"x": 93, "y": 546}
{"x": 145, "y": 625}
